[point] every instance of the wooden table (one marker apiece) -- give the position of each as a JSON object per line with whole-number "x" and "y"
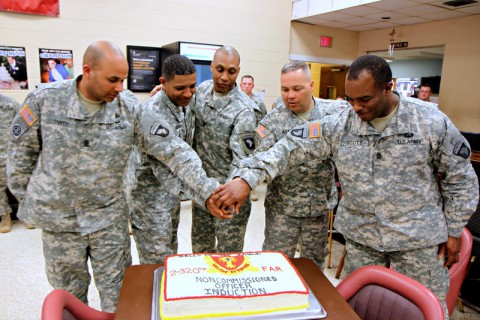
{"x": 475, "y": 157}
{"x": 135, "y": 300}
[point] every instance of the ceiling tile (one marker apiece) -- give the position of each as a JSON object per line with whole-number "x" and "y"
{"x": 392, "y": 4}
{"x": 412, "y": 20}
{"x": 448, "y": 14}
{"x": 421, "y": 10}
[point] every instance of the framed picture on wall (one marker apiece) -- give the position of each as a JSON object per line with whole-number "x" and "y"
{"x": 55, "y": 65}
{"x": 143, "y": 68}
{"x": 13, "y": 68}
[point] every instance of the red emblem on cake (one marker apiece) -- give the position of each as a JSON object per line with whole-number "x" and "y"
{"x": 233, "y": 263}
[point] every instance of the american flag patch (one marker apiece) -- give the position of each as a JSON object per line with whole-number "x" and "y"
{"x": 28, "y": 116}
{"x": 314, "y": 130}
{"x": 262, "y": 131}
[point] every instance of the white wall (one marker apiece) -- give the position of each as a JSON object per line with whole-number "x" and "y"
{"x": 259, "y": 30}
{"x": 416, "y": 68}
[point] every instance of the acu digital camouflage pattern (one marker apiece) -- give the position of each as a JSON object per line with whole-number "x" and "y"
{"x": 421, "y": 265}
{"x": 67, "y": 267}
{"x": 391, "y": 202}
{"x": 224, "y": 134}
{"x": 8, "y": 109}
{"x": 76, "y": 180}
{"x": 155, "y": 201}
{"x": 260, "y": 109}
{"x": 298, "y": 202}
{"x": 390, "y": 195}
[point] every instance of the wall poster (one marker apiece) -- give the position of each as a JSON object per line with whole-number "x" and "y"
{"x": 55, "y": 65}
{"x": 13, "y": 68}
{"x": 143, "y": 68}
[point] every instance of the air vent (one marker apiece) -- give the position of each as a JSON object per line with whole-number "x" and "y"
{"x": 459, "y": 3}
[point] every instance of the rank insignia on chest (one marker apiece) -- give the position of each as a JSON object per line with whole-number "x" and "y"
{"x": 28, "y": 116}
{"x": 262, "y": 131}
{"x": 314, "y": 130}
{"x": 159, "y": 130}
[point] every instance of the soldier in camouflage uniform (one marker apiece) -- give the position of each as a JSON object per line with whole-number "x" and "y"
{"x": 386, "y": 149}
{"x": 70, "y": 145}
{"x": 155, "y": 211}
{"x": 224, "y": 133}
{"x": 8, "y": 108}
{"x": 298, "y": 202}
{"x": 246, "y": 85}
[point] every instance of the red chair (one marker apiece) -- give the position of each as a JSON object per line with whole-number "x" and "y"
{"x": 62, "y": 305}
{"x": 458, "y": 271}
{"x": 379, "y": 293}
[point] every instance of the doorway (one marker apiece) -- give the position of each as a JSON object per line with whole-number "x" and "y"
{"x": 332, "y": 82}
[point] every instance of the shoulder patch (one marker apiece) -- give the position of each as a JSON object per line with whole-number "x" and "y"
{"x": 249, "y": 142}
{"x": 159, "y": 130}
{"x": 314, "y": 130}
{"x": 28, "y": 116}
{"x": 300, "y": 132}
{"x": 262, "y": 131}
{"x": 461, "y": 149}
{"x": 18, "y": 128}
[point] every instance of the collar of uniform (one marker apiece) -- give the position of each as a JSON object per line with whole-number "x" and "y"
{"x": 399, "y": 124}
{"x": 165, "y": 100}
{"x": 221, "y": 103}
{"x": 76, "y": 110}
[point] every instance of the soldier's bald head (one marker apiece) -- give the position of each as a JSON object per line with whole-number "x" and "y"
{"x": 227, "y": 51}
{"x": 100, "y": 51}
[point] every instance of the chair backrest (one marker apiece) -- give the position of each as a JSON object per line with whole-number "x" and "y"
{"x": 458, "y": 271}
{"x": 379, "y": 293}
{"x": 62, "y": 305}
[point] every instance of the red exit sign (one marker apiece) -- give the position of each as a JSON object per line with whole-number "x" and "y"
{"x": 326, "y": 41}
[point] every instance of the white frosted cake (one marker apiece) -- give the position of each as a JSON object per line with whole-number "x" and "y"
{"x": 4, "y": 75}
{"x": 230, "y": 284}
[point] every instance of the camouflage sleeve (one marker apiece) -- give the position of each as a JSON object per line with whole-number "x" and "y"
{"x": 301, "y": 143}
{"x": 7, "y": 112}
{"x": 242, "y": 139}
{"x": 263, "y": 108}
{"x": 156, "y": 139}
{"x": 24, "y": 147}
{"x": 460, "y": 183}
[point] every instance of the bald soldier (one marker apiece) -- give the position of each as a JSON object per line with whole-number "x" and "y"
{"x": 224, "y": 134}
{"x": 70, "y": 145}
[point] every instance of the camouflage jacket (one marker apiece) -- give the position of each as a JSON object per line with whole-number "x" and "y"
{"x": 151, "y": 171}
{"x": 68, "y": 166}
{"x": 391, "y": 200}
{"x": 224, "y": 129}
{"x": 260, "y": 109}
{"x": 8, "y": 108}
{"x": 306, "y": 189}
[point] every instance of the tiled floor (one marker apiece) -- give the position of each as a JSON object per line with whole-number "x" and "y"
{"x": 23, "y": 284}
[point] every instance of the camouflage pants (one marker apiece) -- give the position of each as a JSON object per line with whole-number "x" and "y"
{"x": 283, "y": 232}
{"x": 230, "y": 234}
{"x": 157, "y": 238}
{"x": 66, "y": 255}
{"x": 421, "y": 265}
